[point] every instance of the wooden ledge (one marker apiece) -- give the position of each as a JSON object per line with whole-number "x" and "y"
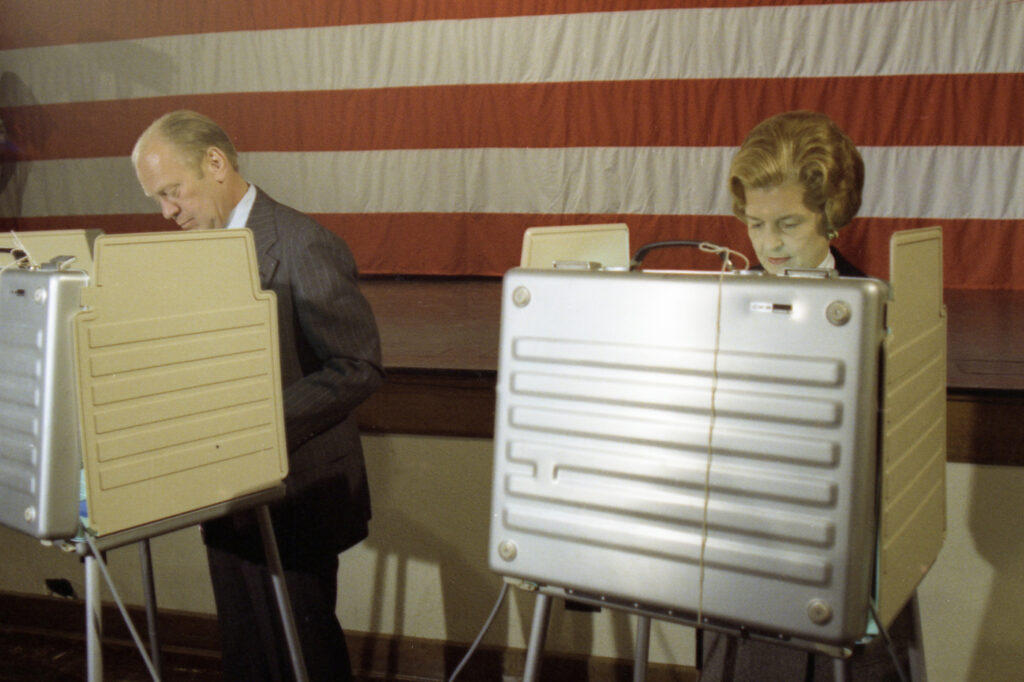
{"x": 432, "y": 404}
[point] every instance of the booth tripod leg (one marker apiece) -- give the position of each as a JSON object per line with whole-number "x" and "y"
{"x": 149, "y": 592}
{"x": 93, "y": 621}
{"x": 915, "y": 653}
{"x": 538, "y": 632}
{"x": 284, "y": 605}
{"x": 94, "y": 565}
{"x": 643, "y": 644}
{"x": 842, "y": 669}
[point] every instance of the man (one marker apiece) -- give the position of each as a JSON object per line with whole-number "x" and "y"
{"x": 330, "y": 363}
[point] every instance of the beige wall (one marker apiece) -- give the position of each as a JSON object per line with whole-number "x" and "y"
{"x": 972, "y": 601}
{"x": 423, "y": 572}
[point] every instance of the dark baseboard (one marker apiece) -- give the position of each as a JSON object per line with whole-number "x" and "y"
{"x": 66, "y": 618}
{"x": 376, "y": 656}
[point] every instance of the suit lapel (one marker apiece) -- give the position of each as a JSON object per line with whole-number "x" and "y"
{"x": 264, "y": 231}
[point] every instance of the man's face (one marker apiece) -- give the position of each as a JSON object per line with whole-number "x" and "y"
{"x": 196, "y": 199}
{"x": 784, "y": 232}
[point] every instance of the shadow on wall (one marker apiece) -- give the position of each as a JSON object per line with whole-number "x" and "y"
{"x": 108, "y": 69}
{"x": 996, "y": 531}
{"x": 429, "y": 509}
{"x": 433, "y": 508}
{"x": 20, "y": 136}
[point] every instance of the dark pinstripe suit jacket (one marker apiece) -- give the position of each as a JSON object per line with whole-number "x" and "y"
{"x": 330, "y": 363}
{"x": 845, "y": 267}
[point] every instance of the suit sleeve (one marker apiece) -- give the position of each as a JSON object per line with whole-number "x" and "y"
{"x": 342, "y": 365}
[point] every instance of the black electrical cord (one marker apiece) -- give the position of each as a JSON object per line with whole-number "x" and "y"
{"x": 642, "y": 252}
{"x": 483, "y": 631}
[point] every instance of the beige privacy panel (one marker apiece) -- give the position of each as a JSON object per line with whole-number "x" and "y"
{"x": 607, "y": 245}
{"x": 178, "y": 376}
{"x": 46, "y": 245}
{"x": 912, "y": 521}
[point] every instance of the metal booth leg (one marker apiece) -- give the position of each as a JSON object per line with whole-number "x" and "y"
{"x": 149, "y": 591}
{"x": 93, "y": 621}
{"x": 842, "y": 669}
{"x": 284, "y": 605}
{"x": 538, "y": 632}
{"x": 643, "y": 644}
{"x": 915, "y": 650}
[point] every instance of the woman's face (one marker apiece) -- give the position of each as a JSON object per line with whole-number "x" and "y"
{"x": 784, "y": 232}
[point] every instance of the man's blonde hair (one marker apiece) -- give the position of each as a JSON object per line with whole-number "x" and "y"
{"x": 191, "y": 134}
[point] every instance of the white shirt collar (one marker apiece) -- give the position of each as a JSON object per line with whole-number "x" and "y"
{"x": 829, "y": 263}
{"x": 240, "y": 213}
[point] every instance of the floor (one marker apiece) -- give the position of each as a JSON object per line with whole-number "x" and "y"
{"x": 44, "y": 658}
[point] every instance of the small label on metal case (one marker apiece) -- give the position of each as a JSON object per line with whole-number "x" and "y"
{"x": 765, "y": 307}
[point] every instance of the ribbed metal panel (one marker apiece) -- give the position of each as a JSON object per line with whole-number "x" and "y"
{"x": 602, "y": 443}
{"x": 40, "y": 457}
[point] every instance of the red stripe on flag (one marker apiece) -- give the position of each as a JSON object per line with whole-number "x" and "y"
{"x": 38, "y": 23}
{"x": 939, "y": 110}
{"x": 978, "y": 254}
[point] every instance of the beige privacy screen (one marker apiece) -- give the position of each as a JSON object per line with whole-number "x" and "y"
{"x": 912, "y": 505}
{"x": 178, "y": 377}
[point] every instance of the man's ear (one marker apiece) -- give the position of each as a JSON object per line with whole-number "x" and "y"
{"x": 216, "y": 163}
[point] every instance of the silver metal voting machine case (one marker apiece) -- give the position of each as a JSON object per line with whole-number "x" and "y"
{"x": 38, "y": 410}
{"x": 735, "y": 449}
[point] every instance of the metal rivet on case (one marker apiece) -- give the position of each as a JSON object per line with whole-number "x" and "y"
{"x": 39, "y": 295}
{"x": 838, "y": 313}
{"x": 521, "y": 296}
{"x": 507, "y": 550}
{"x": 30, "y": 514}
{"x": 819, "y": 611}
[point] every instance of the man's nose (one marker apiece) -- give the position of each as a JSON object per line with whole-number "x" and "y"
{"x": 169, "y": 209}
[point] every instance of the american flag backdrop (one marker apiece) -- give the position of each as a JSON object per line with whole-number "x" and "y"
{"x": 431, "y": 133}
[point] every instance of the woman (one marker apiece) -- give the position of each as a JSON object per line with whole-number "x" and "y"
{"x": 795, "y": 182}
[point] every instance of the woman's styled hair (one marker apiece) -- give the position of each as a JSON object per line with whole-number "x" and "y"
{"x": 807, "y": 148}
{"x": 192, "y": 134}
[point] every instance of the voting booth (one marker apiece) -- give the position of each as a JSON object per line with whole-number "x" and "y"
{"x": 755, "y": 454}
{"x": 140, "y": 389}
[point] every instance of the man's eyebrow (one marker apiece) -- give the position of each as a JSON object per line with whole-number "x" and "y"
{"x": 157, "y": 193}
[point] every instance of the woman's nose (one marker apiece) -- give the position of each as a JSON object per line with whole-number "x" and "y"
{"x": 772, "y": 237}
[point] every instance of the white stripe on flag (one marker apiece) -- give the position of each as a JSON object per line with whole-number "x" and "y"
{"x": 866, "y": 39}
